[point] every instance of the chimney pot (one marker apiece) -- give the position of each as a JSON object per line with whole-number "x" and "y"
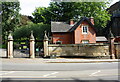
{"x": 71, "y": 22}
{"x": 91, "y": 20}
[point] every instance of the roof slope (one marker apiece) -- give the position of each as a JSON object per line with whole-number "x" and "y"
{"x": 79, "y": 22}
{"x": 63, "y": 27}
{"x": 59, "y": 27}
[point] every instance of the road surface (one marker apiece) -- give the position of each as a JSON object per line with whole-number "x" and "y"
{"x": 33, "y": 69}
{"x": 60, "y": 71}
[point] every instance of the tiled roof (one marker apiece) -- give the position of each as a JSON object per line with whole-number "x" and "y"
{"x": 63, "y": 27}
{"x": 60, "y": 27}
{"x": 79, "y": 22}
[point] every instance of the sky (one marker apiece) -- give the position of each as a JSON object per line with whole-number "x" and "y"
{"x": 28, "y": 6}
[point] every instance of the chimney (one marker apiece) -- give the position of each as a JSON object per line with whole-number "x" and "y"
{"x": 91, "y": 20}
{"x": 71, "y": 22}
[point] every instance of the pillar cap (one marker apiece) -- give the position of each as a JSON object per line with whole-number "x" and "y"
{"x": 10, "y": 37}
{"x": 45, "y": 36}
{"x": 31, "y": 36}
{"x": 92, "y": 17}
{"x": 71, "y": 19}
{"x": 111, "y": 34}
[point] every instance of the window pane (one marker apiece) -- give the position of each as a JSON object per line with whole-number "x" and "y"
{"x": 85, "y": 28}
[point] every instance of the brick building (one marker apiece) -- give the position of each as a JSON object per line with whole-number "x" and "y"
{"x": 74, "y": 33}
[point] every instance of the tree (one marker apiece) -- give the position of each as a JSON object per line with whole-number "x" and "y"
{"x": 23, "y": 33}
{"x": 10, "y": 17}
{"x": 64, "y": 11}
{"x": 96, "y": 10}
{"x": 55, "y": 12}
{"x": 24, "y": 20}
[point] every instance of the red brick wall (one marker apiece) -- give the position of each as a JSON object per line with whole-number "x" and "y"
{"x": 75, "y": 37}
{"x": 91, "y": 36}
{"x": 66, "y": 38}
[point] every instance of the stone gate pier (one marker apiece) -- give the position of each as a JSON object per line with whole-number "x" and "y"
{"x": 10, "y": 46}
{"x": 32, "y": 46}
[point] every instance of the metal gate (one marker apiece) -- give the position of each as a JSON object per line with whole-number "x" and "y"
{"x": 39, "y": 48}
{"x": 21, "y": 49}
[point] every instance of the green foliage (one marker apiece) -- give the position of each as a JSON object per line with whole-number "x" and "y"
{"x": 64, "y": 11}
{"x": 39, "y": 15}
{"x": 3, "y": 46}
{"x": 24, "y": 20}
{"x": 55, "y": 12}
{"x": 23, "y": 33}
{"x": 10, "y": 17}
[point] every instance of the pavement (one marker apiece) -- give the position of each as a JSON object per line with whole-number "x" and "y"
{"x": 57, "y": 60}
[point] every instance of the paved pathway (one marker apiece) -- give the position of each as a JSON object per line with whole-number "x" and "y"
{"x": 2, "y": 52}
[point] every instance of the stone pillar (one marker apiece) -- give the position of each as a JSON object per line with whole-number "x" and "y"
{"x": 10, "y": 46}
{"x": 45, "y": 41}
{"x": 112, "y": 48}
{"x": 32, "y": 46}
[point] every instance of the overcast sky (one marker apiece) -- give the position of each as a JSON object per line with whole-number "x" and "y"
{"x": 28, "y": 6}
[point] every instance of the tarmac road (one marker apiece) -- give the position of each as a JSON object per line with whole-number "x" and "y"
{"x": 47, "y": 69}
{"x": 60, "y": 71}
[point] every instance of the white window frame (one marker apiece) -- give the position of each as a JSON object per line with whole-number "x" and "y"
{"x": 83, "y": 29}
{"x": 85, "y": 41}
